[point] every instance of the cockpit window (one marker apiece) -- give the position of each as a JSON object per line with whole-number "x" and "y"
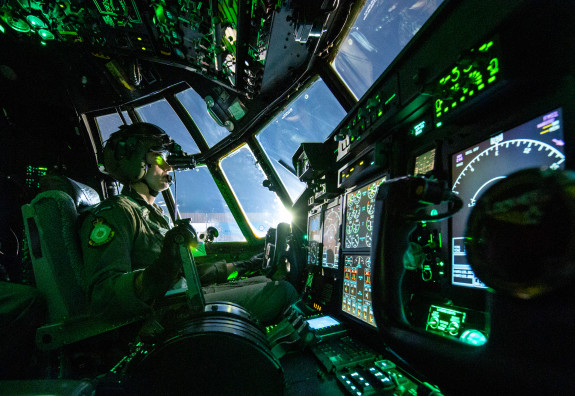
{"x": 311, "y": 117}
{"x": 197, "y": 109}
{"x": 109, "y": 123}
{"x": 382, "y": 29}
{"x": 261, "y": 206}
{"x": 199, "y": 199}
{"x": 160, "y": 113}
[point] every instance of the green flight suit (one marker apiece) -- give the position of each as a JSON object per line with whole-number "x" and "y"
{"x": 124, "y": 234}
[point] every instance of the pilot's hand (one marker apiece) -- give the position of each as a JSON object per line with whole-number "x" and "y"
{"x": 182, "y": 233}
{"x": 251, "y": 266}
{"x": 155, "y": 280}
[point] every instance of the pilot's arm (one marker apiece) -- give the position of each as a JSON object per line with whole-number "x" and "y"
{"x": 107, "y": 239}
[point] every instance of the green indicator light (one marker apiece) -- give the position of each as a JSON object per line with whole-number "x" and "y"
{"x": 352, "y": 139}
{"x": 453, "y": 104}
{"x": 2, "y": 30}
{"x": 446, "y": 109}
{"x": 441, "y": 264}
{"x": 438, "y": 104}
{"x": 380, "y": 113}
{"x": 335, "y": 151}
{"x": 473, "y": 337}
{"x": 390, "y": 99}
{"x": 439, "y": 124}
{"x": 233, "y": 275}
{"x": 43, "y": 169}
{"x": 493, "y": 66}
{"x": 418, "y": 129}
{"x": 456, "y": 73}
{"x": 434, "y": 212}
{"x": 491, "y": 79}
{"x": 471, "y": 93}
{"x": 305, "y": 237}
{"x": 481, "y": 86}
{"x": 462, "y": 99}
{"x": 43, "y": 42}
{"x": 486, "y": 46}
{"x": 372, "y": 162}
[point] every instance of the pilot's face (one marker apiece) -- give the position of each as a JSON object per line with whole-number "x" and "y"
{"x": 158, "y": 169}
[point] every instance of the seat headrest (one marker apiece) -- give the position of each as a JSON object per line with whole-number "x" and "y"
{"x": 82, "y": 194}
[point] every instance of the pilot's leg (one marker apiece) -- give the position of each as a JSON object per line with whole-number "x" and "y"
{"x": 221, "y": 272}
{"x": 265, "y": 299}
{"x": 22, "y": 310}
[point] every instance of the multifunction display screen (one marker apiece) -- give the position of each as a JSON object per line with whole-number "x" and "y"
{"x": 424, "y": 163}
{"x": 535, "y": 144}
{"x": 357, "y": 288}
{"x": 314, "y": 237}
{"x": 331, "y": 237}
{"x": 359, "y": 215}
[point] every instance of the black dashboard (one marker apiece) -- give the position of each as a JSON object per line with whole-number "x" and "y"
{"x": 466, "y": 114}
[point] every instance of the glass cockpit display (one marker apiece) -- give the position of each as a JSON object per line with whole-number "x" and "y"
{"x": 424, "y": 163}
{"x": 314, "y": 238}
{"x": 331, "y": 237}
{"x": 356, "y": 296}
{"x": 359, "y": 215}
{"x": 534, "y": 144}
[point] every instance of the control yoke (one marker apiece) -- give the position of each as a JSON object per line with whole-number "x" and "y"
{"x": 400, "y": 205}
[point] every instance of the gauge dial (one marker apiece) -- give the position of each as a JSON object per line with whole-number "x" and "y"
{"x": 535, "y": 144}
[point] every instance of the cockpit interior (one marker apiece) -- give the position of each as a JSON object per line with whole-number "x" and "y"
{"x": 409, "y": 163}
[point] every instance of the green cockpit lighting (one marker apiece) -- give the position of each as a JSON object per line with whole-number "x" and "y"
{"x": 233, "y": 276}
{"x": 473, "y": 337}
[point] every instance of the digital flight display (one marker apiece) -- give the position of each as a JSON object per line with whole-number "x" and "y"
{"x": 424, "y": 163}
{"x": 534, "y": 144}
{"x": 359, "y": 215}
{"x": 314, "y": 237}
{"x": 331, "y": 235}
{"x": 357, "y": 300}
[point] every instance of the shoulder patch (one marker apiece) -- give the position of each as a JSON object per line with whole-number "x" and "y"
{"x": 101, "y": 233}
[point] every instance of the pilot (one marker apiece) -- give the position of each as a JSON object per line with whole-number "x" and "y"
{"x": 128, "y": 245}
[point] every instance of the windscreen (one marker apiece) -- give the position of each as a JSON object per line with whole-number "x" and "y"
{"x": 382, "y": 29}
{"x": 535, "y": 144}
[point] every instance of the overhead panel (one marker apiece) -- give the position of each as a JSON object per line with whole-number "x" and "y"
{"x": 223, "y": 40}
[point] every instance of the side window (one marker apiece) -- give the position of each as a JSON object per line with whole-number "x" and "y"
{"x": 109, "y": 123}
{"x": 261, "y": 206}
{"x": 160, "y": 113}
